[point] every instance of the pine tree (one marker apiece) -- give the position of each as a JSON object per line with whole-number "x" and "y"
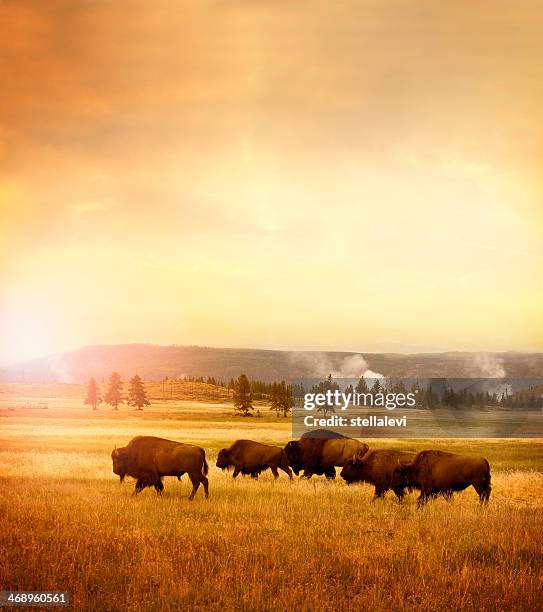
{"x": 275, "y": 403}
{"x": 324, "y": 387}
{"x": 362, "y": 386}
{"x": 93, "y": 394}
{"x": 137, "y": 396}
{"x": 243, "y": 399}
{"x": 432, "y": 399}
{"x": 113, "y": 397}
{"x": 285, "y": 398}
{"x": 377, "y": 387}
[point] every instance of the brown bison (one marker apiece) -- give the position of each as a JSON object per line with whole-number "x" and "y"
{"x": 320, "y": 451}
{"x": 149, "y": 459}
{"x": 377, "y": 468}
{"x": 435, "y": 473}
{"x": 250, "y": 457}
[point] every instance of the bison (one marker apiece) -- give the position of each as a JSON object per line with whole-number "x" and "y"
{"x": 149, "y": 459}
{"x": 250, "y": 457}
{"x": 435, "y": 473}
{"x": 377, "y": 468}
{"x": 320, "y": 451}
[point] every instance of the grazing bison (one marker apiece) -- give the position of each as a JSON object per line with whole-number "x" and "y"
{"x": 435, "y": 473}
{"x": 250, "y": 457}
{"x": 377, "y": 468}
{"x": 149, "y": 459}
{"x": 320, "y": 451}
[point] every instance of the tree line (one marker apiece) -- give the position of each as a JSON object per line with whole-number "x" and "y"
{"x": 244, "y": 392}
{"x": 279, "y": 394}
{"x": 259, "y": 389}
{"x": 283, "y": 395}
{"x": 523, "y": 400}
{"x": 433, "y": 397}
{"x": 136, "y": 397}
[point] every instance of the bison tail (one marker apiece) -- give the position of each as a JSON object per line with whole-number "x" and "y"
{"x": 485, "y": 493}
{"x": 206, "y": 467}
{"x": 487, "y": 475}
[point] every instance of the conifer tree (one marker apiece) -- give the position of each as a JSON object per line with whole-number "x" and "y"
{"x": 137, "y": 396}
{"x": 113, "y": 397}
{"x": 93, "y": 394}
{"x": 377, "y": 387}
{"x": 243, "y": 399}
{"x": 324, "y": 387}
{"x": 362, "y": 386}
{"x": 275, "y": 403}
{"x": 285, "y": 398}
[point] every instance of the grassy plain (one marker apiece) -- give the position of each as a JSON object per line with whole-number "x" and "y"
{"x": 67, "y": 523}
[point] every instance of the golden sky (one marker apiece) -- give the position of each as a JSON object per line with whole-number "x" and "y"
{"x": 340, "y": 175}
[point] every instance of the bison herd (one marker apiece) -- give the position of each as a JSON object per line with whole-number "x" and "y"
{"x": 432, "y": 472}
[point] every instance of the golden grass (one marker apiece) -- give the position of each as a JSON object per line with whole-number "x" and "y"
{"x": 67, "y": 524}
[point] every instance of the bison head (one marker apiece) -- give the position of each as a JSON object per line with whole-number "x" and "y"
{"x": 223, "y": 459}
{"x": 118, "y": 456}
{"x": 293, "y": 452}
{"x": 352, "y": 470}
{"x": 401, "y": 476}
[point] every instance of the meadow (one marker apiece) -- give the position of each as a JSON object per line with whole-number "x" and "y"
{"x": 68, "y": 524}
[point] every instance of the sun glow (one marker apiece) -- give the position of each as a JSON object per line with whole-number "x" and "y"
{"x": 29, "y": 329}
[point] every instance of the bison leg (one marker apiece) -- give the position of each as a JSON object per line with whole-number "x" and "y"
{"x": 236, "y": 472}
{"x": 205, "y": 482}
{"x": 274, "y": 472}
{"x": 195, "y": 484}
{"x": 287, "y": 471}
{"x": 378, "y": 493}
{"x": 399, "y": 492}
{"x": 330, "y": 473}
{"x": 159, "y": 487}
{"x": 423, "y": 498}
{"x": 140, "y": 485}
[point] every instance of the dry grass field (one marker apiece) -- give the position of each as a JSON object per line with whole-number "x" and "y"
{"x": 68, "y": 524}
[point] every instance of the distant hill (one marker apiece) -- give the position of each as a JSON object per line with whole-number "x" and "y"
{"x": 154, "y": 362}
{"x": 18, "y": 393}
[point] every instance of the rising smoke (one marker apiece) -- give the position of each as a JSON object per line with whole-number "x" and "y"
{"x": 320, "y": 365}
{"x": 486, "y": 365}
{"x": 60, "y": 369}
